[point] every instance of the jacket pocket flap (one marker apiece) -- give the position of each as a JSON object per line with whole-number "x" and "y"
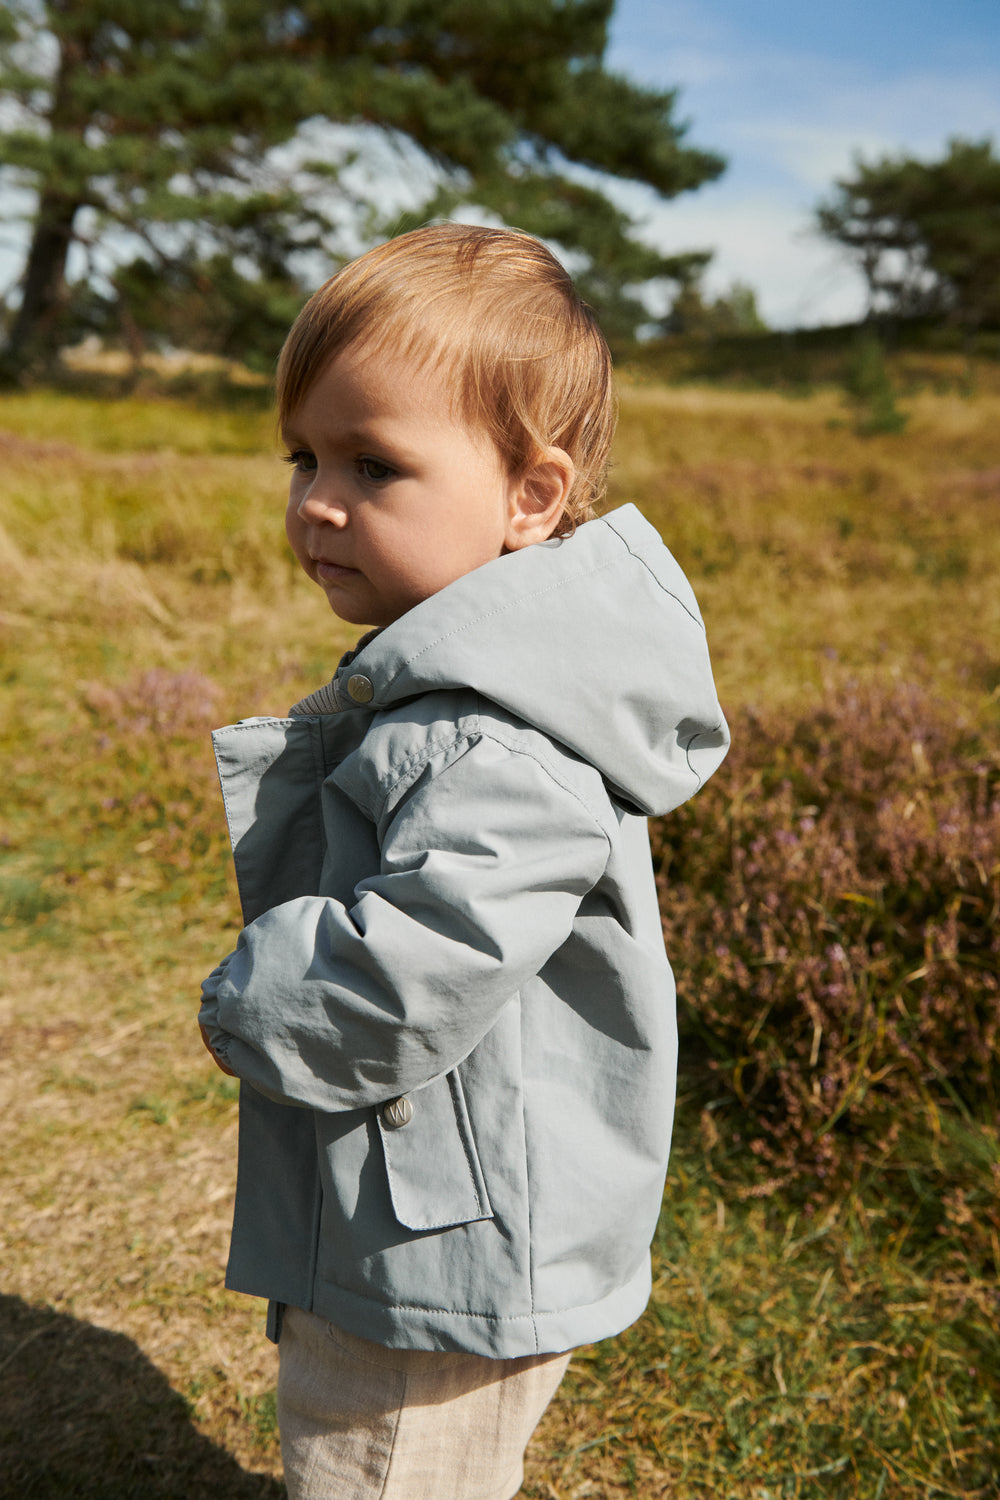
{"x": 435, "y": 1179}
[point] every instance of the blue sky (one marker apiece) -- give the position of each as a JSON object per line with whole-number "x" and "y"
{"x": 788, "y": 92}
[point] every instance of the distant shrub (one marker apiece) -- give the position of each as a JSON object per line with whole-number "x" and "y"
{"x": 869, "y": 390}
{"x": 831, "y": 903}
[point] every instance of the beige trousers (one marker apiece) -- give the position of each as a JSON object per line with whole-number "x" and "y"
{"x": 361, "y": 1422}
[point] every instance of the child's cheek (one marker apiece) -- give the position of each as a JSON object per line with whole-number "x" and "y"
{"x": 295, "y": 532}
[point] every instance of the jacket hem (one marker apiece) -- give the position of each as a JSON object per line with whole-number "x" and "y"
{"x": 491, "y": 1335}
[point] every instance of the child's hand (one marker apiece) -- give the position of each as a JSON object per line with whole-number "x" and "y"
{"x": 215, "y": 1057}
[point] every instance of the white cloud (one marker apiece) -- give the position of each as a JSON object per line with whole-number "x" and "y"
{"x": 759, "y": 239}
{"x": 914, "y": 115}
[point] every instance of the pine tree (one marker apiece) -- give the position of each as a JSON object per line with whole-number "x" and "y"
{"x": 147, "y": 129}
{"x": 926, "y": 235}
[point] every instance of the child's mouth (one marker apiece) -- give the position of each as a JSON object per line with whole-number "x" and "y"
{"x": 329, "y": 572}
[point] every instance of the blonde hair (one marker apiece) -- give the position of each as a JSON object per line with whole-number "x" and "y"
{"x": 497, "y": 312}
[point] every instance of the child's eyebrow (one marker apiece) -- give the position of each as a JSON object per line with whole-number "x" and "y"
{"x": 365, "y": 432}
{"x": 287, "y": 433}
{"x": 376, "y": 433}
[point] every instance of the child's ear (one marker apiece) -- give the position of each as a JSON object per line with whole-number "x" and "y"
{"x": 538, "y": 498}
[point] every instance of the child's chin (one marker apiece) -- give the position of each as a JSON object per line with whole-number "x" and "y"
{"x": 348, "y": 615}
{"x": 353, "y": 614}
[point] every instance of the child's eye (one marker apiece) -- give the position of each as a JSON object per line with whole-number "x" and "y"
{"x": 375, "y": 470}
{"x": 302, "y": 460}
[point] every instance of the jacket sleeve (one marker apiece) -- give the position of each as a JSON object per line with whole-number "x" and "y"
{"x": 485, "y": 859}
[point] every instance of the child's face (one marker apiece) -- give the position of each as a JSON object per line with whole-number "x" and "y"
{"x": 392, "y": 497}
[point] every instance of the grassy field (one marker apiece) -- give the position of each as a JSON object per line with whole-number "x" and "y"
{"x": 796, "y": 1345}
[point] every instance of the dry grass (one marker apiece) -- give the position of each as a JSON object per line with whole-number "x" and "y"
{"x": 808, "y": 543}
{"x": 146, "y": 594}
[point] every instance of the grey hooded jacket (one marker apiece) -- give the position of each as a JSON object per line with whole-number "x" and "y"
{"x": 450, "y": 1007}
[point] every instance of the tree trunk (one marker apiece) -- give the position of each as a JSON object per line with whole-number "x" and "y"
{"x": 32, "y": 335}
{"x": 44, "y": 278}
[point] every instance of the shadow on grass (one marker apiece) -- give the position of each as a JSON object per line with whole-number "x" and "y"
{"x": 84, "y": 1414}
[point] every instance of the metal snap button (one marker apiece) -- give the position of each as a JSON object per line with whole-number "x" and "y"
{"x": 360, "y": 688}
{"x": 397, "y": 1113}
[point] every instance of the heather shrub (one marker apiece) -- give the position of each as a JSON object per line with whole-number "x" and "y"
{"x": 166, "y": 704}
{"x": 149, "y": 811}
{"x": 831, "y": 903}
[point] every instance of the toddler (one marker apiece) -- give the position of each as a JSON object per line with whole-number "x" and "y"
{"x": 450, "y": 1009}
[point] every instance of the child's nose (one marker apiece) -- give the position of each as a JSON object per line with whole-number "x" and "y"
{"x": 320, "y": 503}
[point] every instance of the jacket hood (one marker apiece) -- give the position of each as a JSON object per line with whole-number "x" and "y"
{"x": 595, "y": 639}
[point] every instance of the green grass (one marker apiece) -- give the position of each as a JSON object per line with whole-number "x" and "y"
{"x": 788, "y": 1358}
{"x": 162, "y": 424}
{"x": 147, "y": 594}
